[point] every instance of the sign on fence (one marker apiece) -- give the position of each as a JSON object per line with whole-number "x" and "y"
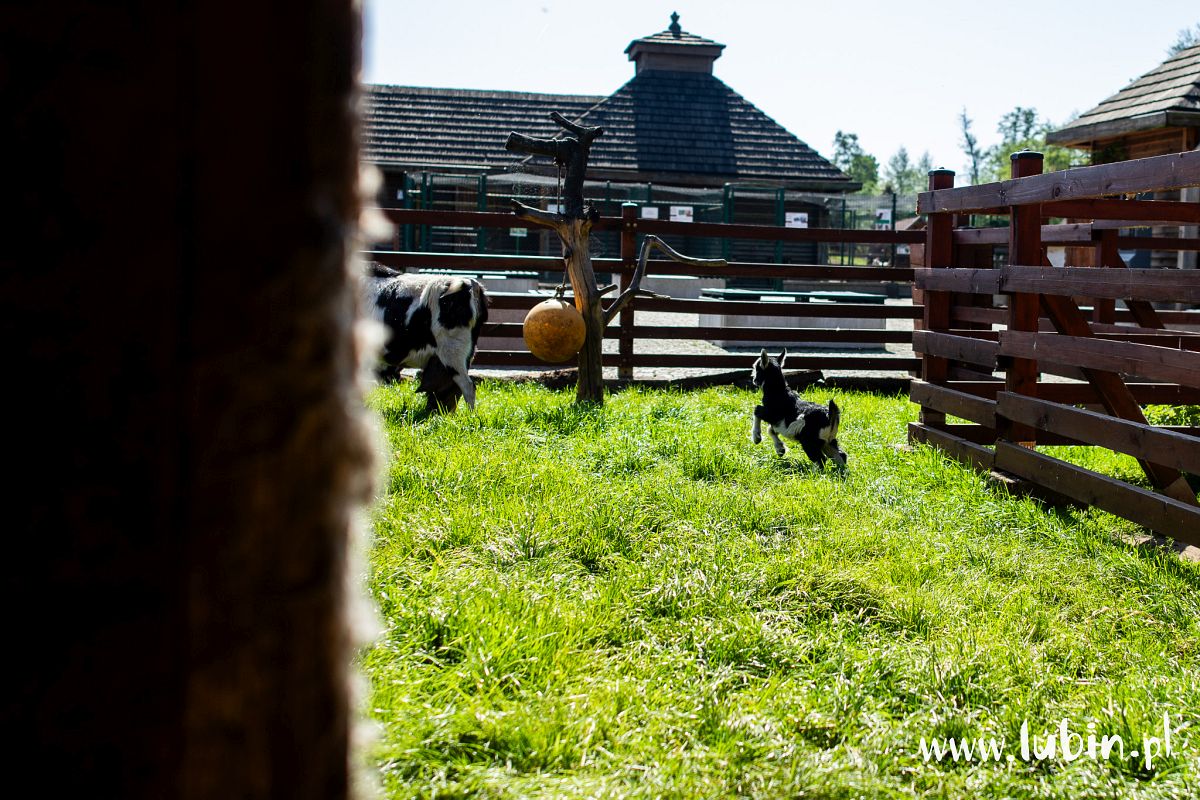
{"x": 796, "y": 219}
{"x": 681, "y": 213}
{"x": 649, "y": 212}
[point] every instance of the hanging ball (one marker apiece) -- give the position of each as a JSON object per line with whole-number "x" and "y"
{"x": 554, "y": 330}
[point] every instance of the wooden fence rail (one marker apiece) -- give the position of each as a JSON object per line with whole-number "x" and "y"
{"x": 988, "y": 335}
{"x": 775, "y": 322}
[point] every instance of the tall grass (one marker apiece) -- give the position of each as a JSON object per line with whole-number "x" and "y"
{"x": 636, "y": 601}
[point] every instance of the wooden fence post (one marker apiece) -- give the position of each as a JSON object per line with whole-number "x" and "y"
{"x": 628, "y": 262}
{"x": 939, "y": 252}
{"x": 1024, "y": 309}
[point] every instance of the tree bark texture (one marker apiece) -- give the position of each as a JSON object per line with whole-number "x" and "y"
{"x": 187, "y": 441}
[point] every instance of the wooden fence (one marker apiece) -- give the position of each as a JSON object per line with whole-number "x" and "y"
{"x": 989, "y": 335}
{"x": 625, "y": 330}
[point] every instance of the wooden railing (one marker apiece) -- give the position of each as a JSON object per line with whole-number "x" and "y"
{"x": 774, "y": 316}
{"x": 989, "y": 336}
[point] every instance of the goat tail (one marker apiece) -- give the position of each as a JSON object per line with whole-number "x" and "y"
{"x": 835, "y": 416}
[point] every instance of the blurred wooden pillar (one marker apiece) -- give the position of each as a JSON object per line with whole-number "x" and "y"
{"x": 185, "y": 443}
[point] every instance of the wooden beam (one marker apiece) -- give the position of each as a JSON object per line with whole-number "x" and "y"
{"x": 951, "y": 401}
{"x": 1121, "y": 284}
{"x": 973, "y": 281}
{"x": 1142, "y": 441}
{"x": 1145, "y": 361}
{"x": 1166, "y": 212}
{"x": 980, "y": 352}
{"x": 1163, "y": 515}
{"x": 1160, "y": 173}
{"x": 963, "y": 451}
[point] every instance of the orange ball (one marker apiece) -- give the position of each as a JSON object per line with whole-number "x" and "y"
{"x": 554, "y": 330}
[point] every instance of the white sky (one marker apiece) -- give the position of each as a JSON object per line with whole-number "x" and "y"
{"x": 895, "y": 73}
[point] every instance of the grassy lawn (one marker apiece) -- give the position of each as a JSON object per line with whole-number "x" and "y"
{"x": 636, "y": 601}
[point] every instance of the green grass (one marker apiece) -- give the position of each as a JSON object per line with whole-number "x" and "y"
{"x": 636, "y": 601}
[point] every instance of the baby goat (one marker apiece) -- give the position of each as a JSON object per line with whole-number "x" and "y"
{"x": 815, "y": 427}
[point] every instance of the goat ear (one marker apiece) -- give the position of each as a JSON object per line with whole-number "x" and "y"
{"x": 762, "y": 357}
{"x": 782, "y": 356}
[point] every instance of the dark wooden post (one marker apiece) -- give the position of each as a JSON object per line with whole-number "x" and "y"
{"x": 629, "y": 255}
{"x": 939, "y": 253}
{"x": 178, "y": 315}
{"x": 1024, "y": 310}
{"x": 1106, "y": 255}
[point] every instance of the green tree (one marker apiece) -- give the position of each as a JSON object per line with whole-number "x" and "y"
{"x": 1188, "y": 37}
{"x": 902, "y": 176}
{"x": 970, "y": 145}
{"x": 1023, "y": 129}
{"x": 850, "y": 158}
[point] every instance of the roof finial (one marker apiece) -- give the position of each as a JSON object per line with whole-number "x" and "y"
{"x": 674, "y": 28}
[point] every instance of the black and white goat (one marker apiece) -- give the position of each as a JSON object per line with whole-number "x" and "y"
{"x": 433, "y": 323}
{"x": 814, "y": 426}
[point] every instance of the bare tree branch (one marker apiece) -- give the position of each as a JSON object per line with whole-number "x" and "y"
{"x": 651, "y": 241}
{"x": 538, "y": 217}
{"x": 586, "y": 135}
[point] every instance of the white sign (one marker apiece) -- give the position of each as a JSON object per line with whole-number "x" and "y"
{"x": 555, "y": 208}
{"x": 649, "y": 212}
{"x": 518, "y": 233}
{"x": 796, "y": 219}
{"x": 399, "y": 194}
{"x": 883, "y": 219}
{"x": 681, "y": 213}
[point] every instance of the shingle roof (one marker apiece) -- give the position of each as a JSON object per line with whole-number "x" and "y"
{"x": 1169, "y": 94}
{"x": 672, "y": 38}
{"x": 684, "y": 127}
{"x": 442, "y": 128}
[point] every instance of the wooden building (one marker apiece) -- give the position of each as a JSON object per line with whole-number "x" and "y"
{"x": 1157, "y": 114}
{"x": 675, "y": 135}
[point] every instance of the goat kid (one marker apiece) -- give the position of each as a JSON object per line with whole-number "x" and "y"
{"x": 433, "y": 323}
{"x": 813, "y": 426}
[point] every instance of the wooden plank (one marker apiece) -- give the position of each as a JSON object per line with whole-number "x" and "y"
{"x": 1067, "y": 233}
{"x": 959, "y": 348}
{"x": 750, "y": 269}
{"x": 972, "y": 281}
{"x": 721, "y": 230}
{"x": 873, "y": 362}
{"x": 1165, "y": 212}
{"x": 1144, "y": 442}
{"x": 1118, "y": 284}
{"x": 1146, "y": 361}
{"x": 1161, "y": 514}
{"x": 516, "y": 300}
{"x": 838, "y": 310}
{"x": 1157, "y": 243}
{"x": 1079, "y": 393}
{"x": 950, "y": 401}
{"x": 846, "y": 335}
{"x": 960, "y": 449}
{"x": 1161, "y": 173}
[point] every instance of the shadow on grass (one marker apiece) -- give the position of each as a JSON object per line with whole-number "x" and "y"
{"x": 804, "y": 467}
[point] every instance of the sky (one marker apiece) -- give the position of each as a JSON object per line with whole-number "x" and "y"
{"x": 897, "y": 74}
